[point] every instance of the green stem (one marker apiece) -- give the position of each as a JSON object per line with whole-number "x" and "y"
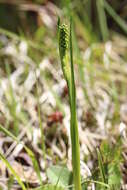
{"x": 74, "y": 123}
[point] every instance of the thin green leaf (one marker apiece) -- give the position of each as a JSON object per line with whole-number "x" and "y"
{"x": 12, "y": 171}
{"x": 102, "y": 171}
{"x": 122, "y": 24}
{"x": 30, "y": 153}
{"x": 102, "y": 19}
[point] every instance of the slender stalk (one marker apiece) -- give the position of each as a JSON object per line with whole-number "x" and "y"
{"x": 68, "y": 71}
{"x": 74, "y": 124}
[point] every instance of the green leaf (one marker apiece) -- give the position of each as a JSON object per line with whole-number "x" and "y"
{"x": 59, "y": 176}
{"x": 114, "y": 178}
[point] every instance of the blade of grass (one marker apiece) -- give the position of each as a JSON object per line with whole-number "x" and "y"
{"x": 12, "y": 171}
{"x": 91, "y": 181}
{"x": 122, "y": 24}
{"x": 30, "y": 153}
{"x": 102, "y": 19}
{"x": 102, "y": 171}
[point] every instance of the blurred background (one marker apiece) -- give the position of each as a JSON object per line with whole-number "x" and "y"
{"x": 97, "y": 17}
{"x": 34, "y": 95}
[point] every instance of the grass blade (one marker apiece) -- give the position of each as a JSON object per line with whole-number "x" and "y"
{"x": 122, "y": 24}
{"x": 102, "y": 19}
{"x": 91, "y": 181}
{"x": 12, "y": 171}
{"x": 30, "y": 153}
{"x": 102, "y": 171}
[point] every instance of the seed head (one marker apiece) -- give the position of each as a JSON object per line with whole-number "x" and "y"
{"x": 63, "y": 39}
